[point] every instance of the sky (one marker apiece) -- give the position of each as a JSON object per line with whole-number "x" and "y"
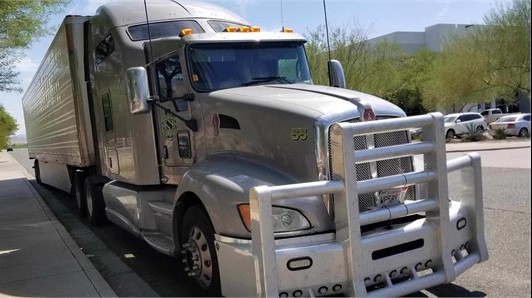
{"x": 377, "y": 17}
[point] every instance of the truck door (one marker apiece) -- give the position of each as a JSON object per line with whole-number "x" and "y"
{"x": 176, "y": 139}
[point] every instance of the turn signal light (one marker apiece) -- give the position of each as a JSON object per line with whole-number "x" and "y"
{"x": 245, "y": 214}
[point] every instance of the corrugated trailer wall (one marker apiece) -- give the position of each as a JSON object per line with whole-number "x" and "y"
{"x": 55, "y": 104}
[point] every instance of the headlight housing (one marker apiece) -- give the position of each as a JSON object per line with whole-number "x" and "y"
{"x": 284, "y": 219}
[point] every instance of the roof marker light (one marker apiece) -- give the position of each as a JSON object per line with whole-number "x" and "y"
{"x": 254, "y": 29}
{"x": 230, "y": 29}
{"x": 287, "y": 30}
{"x": 243, "y": 29}
{"x": 185, "y": 32}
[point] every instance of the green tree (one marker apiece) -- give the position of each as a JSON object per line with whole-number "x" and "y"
{"x": 491, "y": 61}
{"x": 383, "y": 69}
{"x": 22, "y": 22}
{"x": 8, "y": 126}
{"x": 348, "y": 45}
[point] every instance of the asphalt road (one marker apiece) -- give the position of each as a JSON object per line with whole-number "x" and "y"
{"x": 507, "y": 195}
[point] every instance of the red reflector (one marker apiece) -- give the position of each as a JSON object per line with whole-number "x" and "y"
{"x": 215, "y": 124}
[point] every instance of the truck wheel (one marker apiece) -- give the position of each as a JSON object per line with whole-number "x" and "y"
{"x": 94, "y": 200}
{"x": 37, "y": 171}
{"x": 79, "y": 194}
{"x": 199, "y": 254}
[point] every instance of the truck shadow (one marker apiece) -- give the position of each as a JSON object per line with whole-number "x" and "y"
{"x": 449, "y": 290}
{"x": 128, "y": 264}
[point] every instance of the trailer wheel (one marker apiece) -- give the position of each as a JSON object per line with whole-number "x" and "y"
{"x": 37, "y": 171}
{"x": 199, "y": 253}
{"x": 94, "y": 201}
{"x": 79, "y": 194}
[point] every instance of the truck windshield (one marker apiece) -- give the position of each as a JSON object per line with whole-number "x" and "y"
{"x": 229, "y": 65}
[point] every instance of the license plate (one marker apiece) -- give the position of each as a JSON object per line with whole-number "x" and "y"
{"x": 392, "y": 195}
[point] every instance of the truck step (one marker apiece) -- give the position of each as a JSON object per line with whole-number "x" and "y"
{"x": 159, "y": 242}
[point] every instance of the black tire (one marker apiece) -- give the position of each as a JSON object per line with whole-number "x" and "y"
{"x": 197, "y": 231}
{"x": 450, "y": 134}
{"x": 78, "y": 192}
{"x": 523, "y": 133}
{"x": 37, "y": 171}
{"x": 94, "y": 201}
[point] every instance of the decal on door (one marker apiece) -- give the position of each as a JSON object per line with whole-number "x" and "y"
{"x": 299, "y": 134}
{"x": 169, "y": 126}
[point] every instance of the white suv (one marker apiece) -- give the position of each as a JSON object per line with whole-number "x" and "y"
{"x": 462, "y": 123}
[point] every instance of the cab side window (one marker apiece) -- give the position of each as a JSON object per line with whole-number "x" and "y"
{"x": 170, "y": 78}
{"x": 105, "y": 48}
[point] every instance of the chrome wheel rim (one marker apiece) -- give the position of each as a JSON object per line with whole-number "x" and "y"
{"x": 197, "y": 257}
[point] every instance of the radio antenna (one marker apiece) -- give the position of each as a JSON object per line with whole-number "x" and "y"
{"x": 328, "y": 43}
{"x": 282, "y": 16}
{"x": 149, "y": 33}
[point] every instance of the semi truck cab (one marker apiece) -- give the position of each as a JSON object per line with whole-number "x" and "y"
{"x": 205, "y": 137}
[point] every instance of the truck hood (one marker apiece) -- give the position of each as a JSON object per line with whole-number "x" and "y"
{"x": 308, "y": 100}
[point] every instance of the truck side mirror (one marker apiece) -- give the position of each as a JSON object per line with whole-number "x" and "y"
{"x": 138, "y": 90}
{"x": 337, "y": 74}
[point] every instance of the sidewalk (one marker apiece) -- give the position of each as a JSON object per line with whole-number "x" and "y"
{"x": 37, "y": 255}
{"x": 510, "y": 143}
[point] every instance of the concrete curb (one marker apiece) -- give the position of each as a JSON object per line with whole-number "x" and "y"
{"x": 486, "y": 149}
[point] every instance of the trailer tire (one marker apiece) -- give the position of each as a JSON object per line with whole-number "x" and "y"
{"x": 79, "y": 194}
{"x": 94, "y": 201}
{"x": 37, "y": 172}
{"x": 197, "y": 241}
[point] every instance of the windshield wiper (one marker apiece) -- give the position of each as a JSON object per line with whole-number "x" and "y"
{"x": 259, "y": 80}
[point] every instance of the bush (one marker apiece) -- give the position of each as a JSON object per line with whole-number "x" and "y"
{"x": 473, "y": 134}
{"x": 500, "y": 134}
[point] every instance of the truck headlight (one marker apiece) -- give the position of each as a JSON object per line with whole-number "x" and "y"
{"x": 284, "y": 219}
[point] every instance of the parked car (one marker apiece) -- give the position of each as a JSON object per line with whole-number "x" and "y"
{"x": 492, "y": 115}
{"x": 513, "y": 125}
{"x": 458, "y": 124}
{"x": 9, "y": 149}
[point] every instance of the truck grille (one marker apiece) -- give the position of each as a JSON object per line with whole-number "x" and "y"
{"x": 382, "y": 168}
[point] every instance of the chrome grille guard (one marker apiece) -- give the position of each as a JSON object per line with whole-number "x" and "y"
{"x": 445, "y": 245}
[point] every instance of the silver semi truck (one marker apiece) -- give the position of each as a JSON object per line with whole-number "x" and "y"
{"x": 205, "y": 137}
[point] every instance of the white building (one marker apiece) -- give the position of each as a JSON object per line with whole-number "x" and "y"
{"x": 433, "y": 38}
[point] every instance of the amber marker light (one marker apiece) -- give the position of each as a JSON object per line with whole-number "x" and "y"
{"x": 230, "y": 29}
{"x": 254, "y": 29}
{"x": 185, "y": 32}
{"x": 287, "y": 30}
{"x": 243, "y": 29}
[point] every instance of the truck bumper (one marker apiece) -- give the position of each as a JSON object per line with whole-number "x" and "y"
{"x": 395, "y": 262}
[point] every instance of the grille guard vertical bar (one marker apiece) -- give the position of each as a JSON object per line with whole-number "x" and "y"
{"x": 470, "y": 168}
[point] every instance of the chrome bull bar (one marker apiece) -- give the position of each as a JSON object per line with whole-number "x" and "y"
{"x": 448, "y": 259}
